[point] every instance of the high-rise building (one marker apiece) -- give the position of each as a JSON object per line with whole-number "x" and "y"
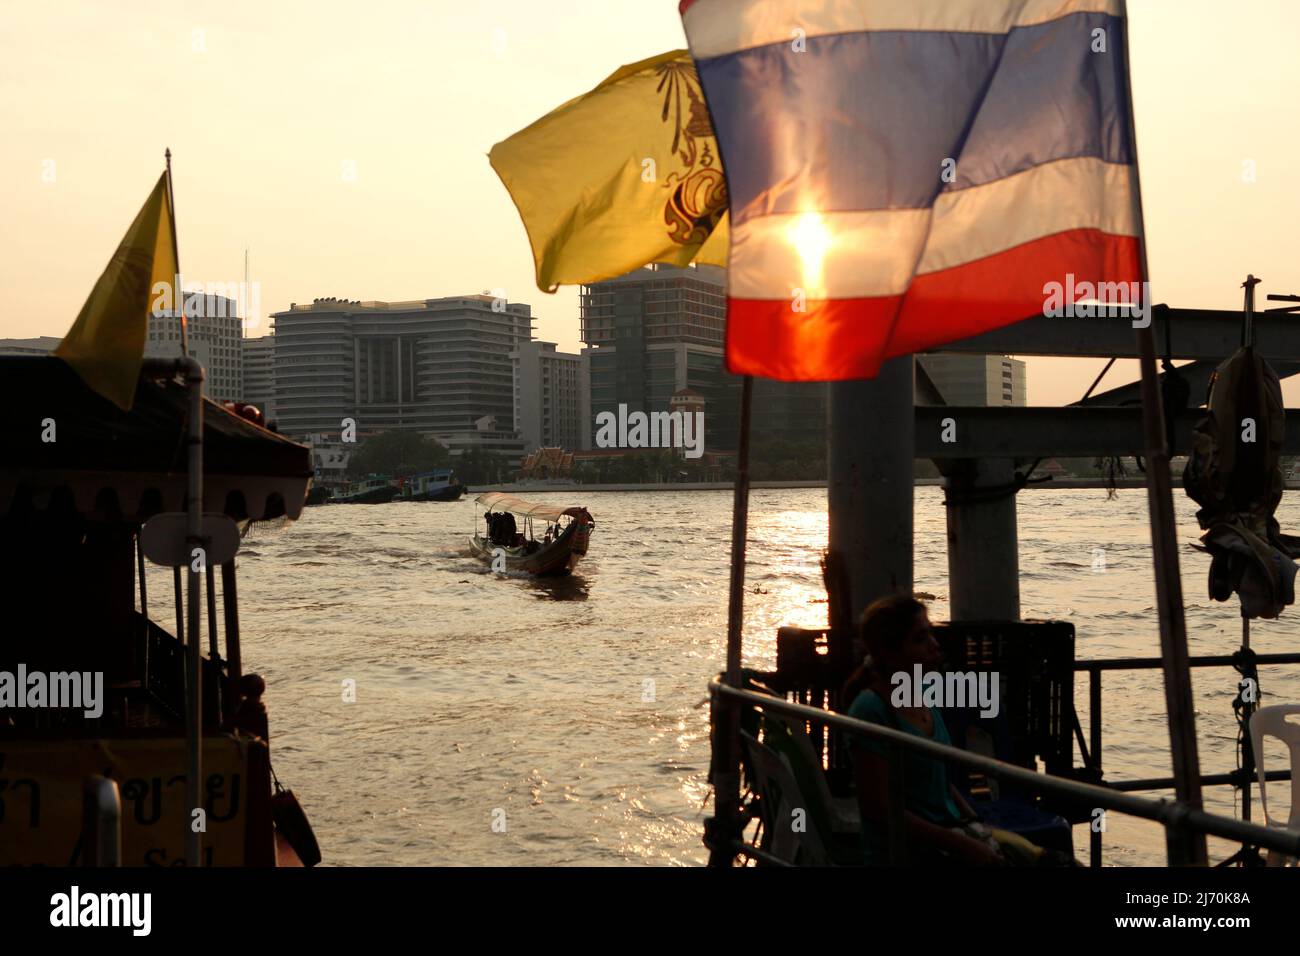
{"x": 214, "y": 333}
{"x": 653, "y": 332}
{"x": 660, "y": 329}
{"x": 440, "y": 367}
{"x": 976, "y": 379}
{"x": 259, "y": 374}
{"x": 548, "y": 387}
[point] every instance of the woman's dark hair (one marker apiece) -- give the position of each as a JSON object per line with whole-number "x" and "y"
{"x": 882, "y": 629}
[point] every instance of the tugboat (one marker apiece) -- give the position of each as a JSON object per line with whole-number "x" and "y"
{"x": 88, "y": 491}
{"x": 437, "y": 485}
{"x": 375, "y": 490}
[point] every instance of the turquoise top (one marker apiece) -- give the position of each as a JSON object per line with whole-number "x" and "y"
{"x": 925, "y": 780}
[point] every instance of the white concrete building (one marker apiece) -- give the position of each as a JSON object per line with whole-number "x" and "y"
{"x": 549, "y": 388}
{"x": 440, "y": 367}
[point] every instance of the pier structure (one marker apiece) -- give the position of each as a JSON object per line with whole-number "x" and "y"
{"x": 982, "y": 450}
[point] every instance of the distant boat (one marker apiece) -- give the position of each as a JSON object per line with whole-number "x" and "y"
{"x": 318, "y": 495}
{"x": 376, "y": 490}
{"x": 503, "y": 545}
{"x": 437, "y": 485}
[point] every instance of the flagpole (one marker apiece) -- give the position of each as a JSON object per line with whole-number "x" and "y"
{"x": 193, "y": 372}
{"x": 1184, "y": 848}
{"x": 178, "y": 293}
{"x": 727, "y": 826}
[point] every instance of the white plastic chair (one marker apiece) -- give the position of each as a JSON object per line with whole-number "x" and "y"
{"x": 1272, "y": 721}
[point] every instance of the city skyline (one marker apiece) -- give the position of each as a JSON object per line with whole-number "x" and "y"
{"x": 371, "y": 180}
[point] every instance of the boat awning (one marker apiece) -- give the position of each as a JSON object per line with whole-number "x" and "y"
{"x": 499, "y": 501}
{"x": 61, "y": 439}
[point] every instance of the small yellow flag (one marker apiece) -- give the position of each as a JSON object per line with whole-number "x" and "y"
{"x": 622, "y": 176}
{"x": 106, "y": 344}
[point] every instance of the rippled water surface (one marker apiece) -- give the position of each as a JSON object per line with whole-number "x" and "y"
{"x": 572, "y": 710}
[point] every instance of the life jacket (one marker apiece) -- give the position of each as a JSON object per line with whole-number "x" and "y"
{"x": 1234, "y": 473}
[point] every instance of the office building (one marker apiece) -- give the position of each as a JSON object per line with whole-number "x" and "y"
{"x": 548, "y": 389}
{"x": 976, "y": 379}
{"x": 657, "y": 330}
{"x": 440, "y": 367}
{"x": 259, "y": 374}
{"x": 41, "y": 345}
{"x": 215, "y": 334}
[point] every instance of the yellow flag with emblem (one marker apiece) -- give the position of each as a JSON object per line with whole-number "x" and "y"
{"x": 106, "y": 343}
{"x": 622, "y": 176}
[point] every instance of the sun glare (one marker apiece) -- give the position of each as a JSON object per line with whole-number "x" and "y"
{"x": 811, "y": 239}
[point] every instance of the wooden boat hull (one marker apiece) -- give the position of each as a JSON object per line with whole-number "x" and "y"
{"x": 558, "y": 558}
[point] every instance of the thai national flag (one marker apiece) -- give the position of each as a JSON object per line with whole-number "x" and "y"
{"x": 906, "y": 173}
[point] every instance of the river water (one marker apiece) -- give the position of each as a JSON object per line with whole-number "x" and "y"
{"x": 508, "y": 721}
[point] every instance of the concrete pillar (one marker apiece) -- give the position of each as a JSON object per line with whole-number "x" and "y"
{"x": 983, "y": 552}
{"x": 872, "y": 427}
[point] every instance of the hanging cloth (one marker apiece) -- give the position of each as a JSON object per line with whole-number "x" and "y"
{"x": 1234, "y": 473}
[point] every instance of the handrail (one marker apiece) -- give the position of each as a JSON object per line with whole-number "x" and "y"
{"x": 1244, "y": 660}
{"x": 1169, "y": 813}
{"x": 1208, "y": 660}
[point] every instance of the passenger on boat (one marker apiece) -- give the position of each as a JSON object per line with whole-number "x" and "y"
{"x": 897, "y": 635}
{"x": 502, "y": 529}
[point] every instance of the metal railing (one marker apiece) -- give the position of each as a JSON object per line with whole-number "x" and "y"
{"x": 1242, "y": 777}
{"x": 1178, "y": 820}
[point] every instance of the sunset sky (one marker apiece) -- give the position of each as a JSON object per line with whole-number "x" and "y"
{"x": 268, "y": 107}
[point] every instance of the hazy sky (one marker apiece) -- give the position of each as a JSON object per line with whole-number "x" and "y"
{"x": 268, "y": 107}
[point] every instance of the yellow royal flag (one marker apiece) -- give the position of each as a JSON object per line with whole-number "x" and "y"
{"x": 622, "y": 176}
{"x": 106, "y": 344}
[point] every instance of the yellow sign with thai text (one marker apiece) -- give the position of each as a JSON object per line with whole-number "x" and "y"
{"x": 41, "y": 799}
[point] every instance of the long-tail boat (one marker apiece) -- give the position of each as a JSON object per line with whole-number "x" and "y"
{"x": 506, "y": 547}
{"x": 84, "y": 486}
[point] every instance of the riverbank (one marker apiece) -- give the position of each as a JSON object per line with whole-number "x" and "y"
{"x": 533, "y": 487}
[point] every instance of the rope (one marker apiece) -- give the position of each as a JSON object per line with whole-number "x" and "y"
{"x": 994, "y": 492}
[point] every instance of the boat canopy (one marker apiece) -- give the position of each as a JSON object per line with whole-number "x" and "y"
{"x": 63, "y": 440}
{"x": 498, "y": 501}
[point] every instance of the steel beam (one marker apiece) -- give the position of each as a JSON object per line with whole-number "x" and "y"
{"x": 1033, "y": 432}
{"x": 1197, "y": 375}
{"x": 1203, "y": 334}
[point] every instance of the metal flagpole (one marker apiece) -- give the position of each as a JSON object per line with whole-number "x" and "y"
{"x": 1184, "y": 847}
{"x": 726, "y": 727}
{"x": 194, "y": 538}
{"x": 178, "y": 291}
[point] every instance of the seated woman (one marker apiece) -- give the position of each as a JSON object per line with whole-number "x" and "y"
{"x": 897, "y": 635}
